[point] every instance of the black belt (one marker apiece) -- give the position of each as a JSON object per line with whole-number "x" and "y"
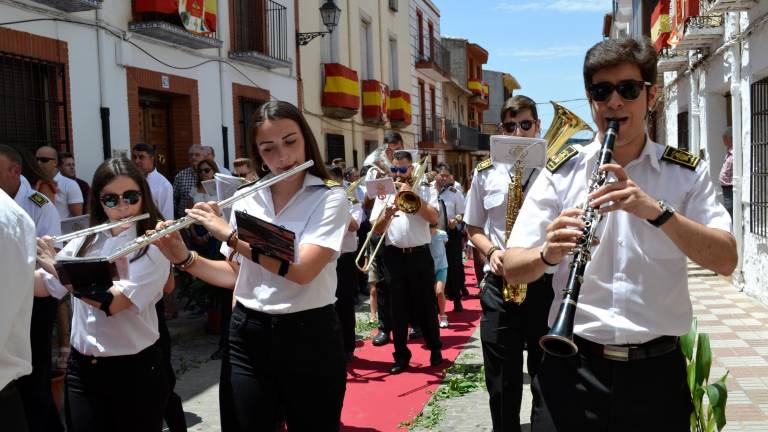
{"x": 653, "y": 348}
{"x": 147, "y": 352}
{"x": 286, "y": 317}
{"x": 408, "y": 250}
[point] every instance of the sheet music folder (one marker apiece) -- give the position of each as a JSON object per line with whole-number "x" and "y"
{"x": 266, "y": 238}
{"x": 87, "y": 275}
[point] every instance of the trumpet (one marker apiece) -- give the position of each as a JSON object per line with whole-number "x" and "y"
{"x": 178, "y": 224}
{"x": 407, "y": 202}
{"x": 99, "y": 228}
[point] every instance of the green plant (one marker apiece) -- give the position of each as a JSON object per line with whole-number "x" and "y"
{"x": 699, "y": 363}
{"x": 364, "y": 327}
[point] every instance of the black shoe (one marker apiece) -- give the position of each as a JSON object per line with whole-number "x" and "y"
{"x": 457, "y": 307}
{"x": 398, "y": 367}
{"x": 381, "y": 339}
{"x": 414, "y": 333}
{"x": 435, "y": 358}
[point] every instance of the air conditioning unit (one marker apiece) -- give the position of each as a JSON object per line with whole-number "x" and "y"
{"x": 393, "y": 5}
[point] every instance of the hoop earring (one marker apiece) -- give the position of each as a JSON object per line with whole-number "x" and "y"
{"x": 264, "y": 167}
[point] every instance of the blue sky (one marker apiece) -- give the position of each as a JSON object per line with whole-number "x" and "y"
{"x": 540, "y": 42}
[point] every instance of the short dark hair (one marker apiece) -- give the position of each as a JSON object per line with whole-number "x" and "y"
{"x": 146, "y": 148}
{"x": 614, "y": 52}
{"x": 392, "y": 137}
{"x": 403, "y": 154}
{"x": 65, "y": 155}
{"x": 443, "y": 166}
{"x": 517, "y": 104}
{"x": 243, "y": 162}
{"x": 336, "y": 172}
{"x": 11, "y": 153}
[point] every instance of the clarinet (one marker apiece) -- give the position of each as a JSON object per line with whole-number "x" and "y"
{"x": 559, "y": 340}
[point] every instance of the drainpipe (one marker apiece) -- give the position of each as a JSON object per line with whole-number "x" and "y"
{"x": 349, "y": 61}
{"x": 299, "y": 82}
{"x": 694, "y": 143}
{"x": 224, "y": 129}
{"x": 106, "y": 141}
{"x": 738, "y": 158}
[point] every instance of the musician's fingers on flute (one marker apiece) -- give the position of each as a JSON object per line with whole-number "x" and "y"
{"x": 215, "y": 225}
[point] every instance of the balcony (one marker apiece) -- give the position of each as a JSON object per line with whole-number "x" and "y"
{"x": 468, "y": 138}
{"x": 435, "y": 62}
{"x": 451, "y": 132}
{"x": 261, "y": 29}
{"x": 479, "y": 91}
{"x": 341, "y": 91}
{"x": 72, "y": 5}
{"x": 722, "y": 6}
{"x": 160, "y": 19}
{"x": 701, "y": 32}
{"x": 671, "y": 60}
{"x": 375, "y": 98}
{"x": 399, "y": 109}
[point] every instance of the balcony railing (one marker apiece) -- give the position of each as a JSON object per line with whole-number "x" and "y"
{"x": 161, "y": 20}
{"x": 435, "y": 61}
{"x": 468, "y": 138}
{"x": 451, "y": 132}
{"x": 721, "y": 6}
{"x": 671, "y": 60}
{"x": 701, "y": 32}
{"x": 261, "y": 29}
{"x": 72, "y": 5}
{"x": 430, "y": 132}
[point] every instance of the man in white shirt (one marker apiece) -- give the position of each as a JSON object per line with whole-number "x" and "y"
{"x": 69, "y": 197}
{"x": 410, "y": 264}
{"x": 630, "y": 373}
{"x": 451, "y": 207}
{"x": 17, "y": 235}
{"x": 35, "y": 389}
{"x": 143, "y": 155}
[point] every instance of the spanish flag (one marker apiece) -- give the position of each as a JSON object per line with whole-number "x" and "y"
{"x": 341, "y": 92}
{"x": 399, "y": 108}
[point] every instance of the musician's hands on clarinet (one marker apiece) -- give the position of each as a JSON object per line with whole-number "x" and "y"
{"x": 624, "y": 194}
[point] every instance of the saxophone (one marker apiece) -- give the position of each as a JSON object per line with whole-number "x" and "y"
{"x": 514, "y": 293}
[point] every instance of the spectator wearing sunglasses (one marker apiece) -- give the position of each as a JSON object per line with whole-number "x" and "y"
{"x": 210, "y": 154}
{"x": 143, "y": 155}
{"x": 204, "y": 244}
{"x": 243, "y": 168}
{"x": 69, "y": 197}
{"x": 506, "y": 327}
{"x": 630, "y": 372}
{"x": 116, "y": 377}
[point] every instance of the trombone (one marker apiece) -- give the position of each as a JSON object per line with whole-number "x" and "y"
{"x": 407, "y": 202}
{"x": 99, "y": 228}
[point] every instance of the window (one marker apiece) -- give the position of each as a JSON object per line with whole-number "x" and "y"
{"x": 33, "y": 105}
{"x": 370, "y": 146}
{"x": 260, "y": 26}
{"x": 420, "y": 24}
{"x": 393, "y": 5}
{"x": 334, "y": 145}
{"x": 366, "y": 48}
{"x": 682, "y": 130}
{"x": 248, "y": 109}
{"x": 393, "y": 64}
{"x": 758, "y": 194}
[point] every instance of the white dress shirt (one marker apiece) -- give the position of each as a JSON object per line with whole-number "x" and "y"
{"x": 17, "y": 235}
{"x": 487, "y": 198}
{"x": 349, "y": 244}
{"x": 318, "y": 215}
{"x": 635, "y": 288}
{"x": 128, "y": 331}
{"x": 162, "y": 193}
{"x": 68, "y": 193}
{"x": 407, "y": 230}
{"x": 454, "y": 203}
{"x": 42, "y": 211}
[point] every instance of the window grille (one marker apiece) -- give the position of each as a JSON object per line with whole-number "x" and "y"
{"x": 758, "y": 197}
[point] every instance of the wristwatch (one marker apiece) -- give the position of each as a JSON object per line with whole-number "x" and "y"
{"x": 666, "y": 212}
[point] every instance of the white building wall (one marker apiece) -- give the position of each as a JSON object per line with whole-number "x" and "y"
{"x": 427, "y": 9}
{"x": 87, "y": 92}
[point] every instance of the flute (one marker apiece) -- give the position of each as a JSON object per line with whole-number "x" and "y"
{"x": 99, "y": 228}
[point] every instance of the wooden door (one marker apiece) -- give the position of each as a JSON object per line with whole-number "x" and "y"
{"x": 155, "y": 131}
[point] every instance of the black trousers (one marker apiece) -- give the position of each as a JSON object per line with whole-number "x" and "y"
{"x": 174, "y": 412}
{"x": 413, "y": 297}
{"x": 283, "y": 367}
{"x": 383, "y": 300}
{"x": 12, "y": 410}
{"x": 505, "y": 330}
{"x": 728, "y": 198}
{"x": 121, "y": 394}
{"x": 35, "y": 388}
{"x": 224, "y": 300}
{"x": 346, "y": 293}
{"x": 454, "y": 285}
{"x": 587, "y": 392}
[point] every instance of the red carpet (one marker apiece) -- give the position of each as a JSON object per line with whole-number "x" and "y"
{"x": 378, "y": 401}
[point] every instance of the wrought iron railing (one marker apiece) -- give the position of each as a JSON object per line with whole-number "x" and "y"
{"x": 261, "y": 26}
{"x": 437, "y": 54}
{"x": 468, "y": 138}
{"x": 703, "y": 21}
{"x": 668, "y": 53}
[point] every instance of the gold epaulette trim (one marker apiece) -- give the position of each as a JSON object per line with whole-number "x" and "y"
{"x": 680, "y": 157}
{"x": 39, "y": 199}
{"x": 555, "y": 162}
{"x": 484, "y": 165}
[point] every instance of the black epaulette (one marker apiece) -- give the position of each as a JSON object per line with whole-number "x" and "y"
{"x": 484, "y": 165}
{"x": 39, "y": 199}
{"x": 330, "y": 183}
{"x": 555, "y": 162}
{"x": 680, "y": 157}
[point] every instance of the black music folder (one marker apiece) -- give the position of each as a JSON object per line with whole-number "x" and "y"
{"x": 87, "y": 275}
{"x": 266, "y": 238}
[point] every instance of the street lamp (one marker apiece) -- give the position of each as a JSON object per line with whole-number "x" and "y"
{"x": 330, "y": 14}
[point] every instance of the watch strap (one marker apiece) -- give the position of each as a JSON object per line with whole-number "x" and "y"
{"x": 666, "y": 213}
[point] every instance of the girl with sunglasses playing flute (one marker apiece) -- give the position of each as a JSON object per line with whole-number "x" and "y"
{"x": 285, "y": 353}
{"x": 115, "y": 376}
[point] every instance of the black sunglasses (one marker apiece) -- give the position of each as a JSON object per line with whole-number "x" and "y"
{"x": 204, "y": 170}
{"x": 511, "y": 127}
{"x": 45, "y": 159}
{"x": 130, "y": 197}
{"x": 628, "y": 90}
